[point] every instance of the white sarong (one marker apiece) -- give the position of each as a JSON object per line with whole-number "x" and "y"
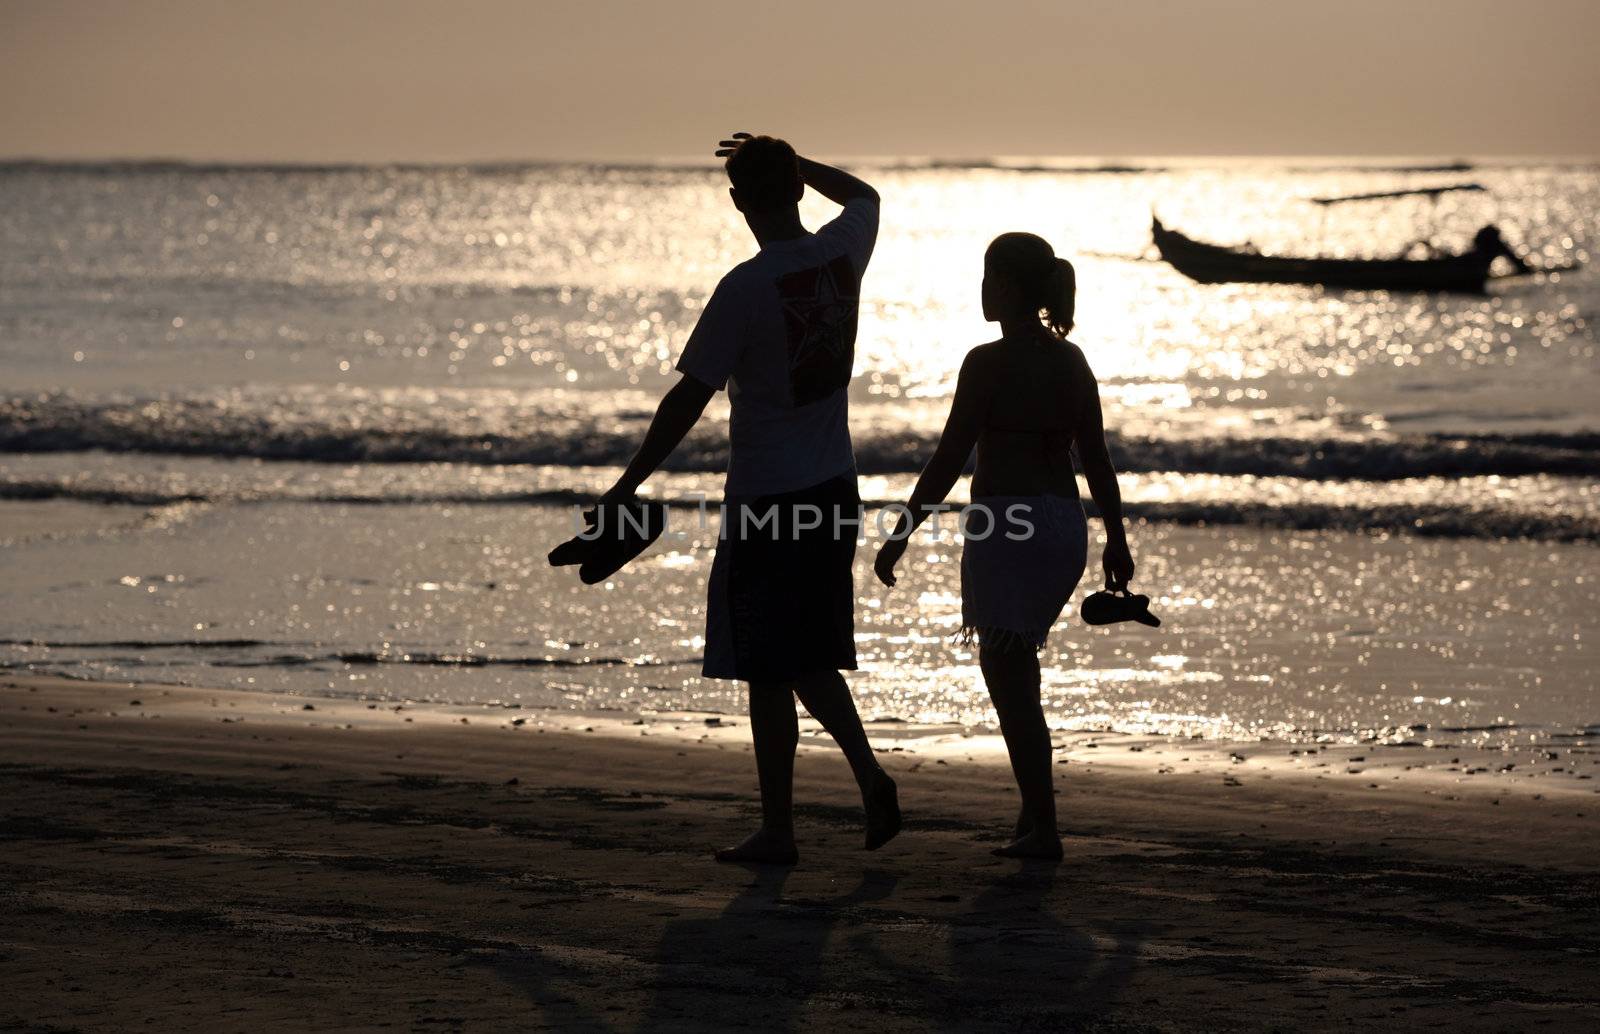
{"x": 1015, "y": 582}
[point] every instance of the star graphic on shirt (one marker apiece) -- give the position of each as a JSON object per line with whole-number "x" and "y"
{"x": 819, "y": 312}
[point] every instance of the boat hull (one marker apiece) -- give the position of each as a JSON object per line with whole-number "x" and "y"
{"x": 1211, "y": 264}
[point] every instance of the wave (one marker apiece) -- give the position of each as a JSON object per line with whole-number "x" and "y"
{"x": 39, "y": 489}
{"x": 357, "y": 429}
{"x": 279, "y": 658}
{"x": 1426, "y": 520}
{"x": 1056, "y": 169}
{"x": 1380, "y": 166}
{"x": 1410, "y": 519}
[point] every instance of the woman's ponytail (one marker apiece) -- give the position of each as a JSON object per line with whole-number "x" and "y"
{"x": 1062, "y": 299}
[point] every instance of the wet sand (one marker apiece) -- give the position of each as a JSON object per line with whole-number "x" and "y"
{"x": 179, "y": 859}
{"x": 1289, "y": 634}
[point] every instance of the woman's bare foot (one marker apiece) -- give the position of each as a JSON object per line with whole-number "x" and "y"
{"x": 1042, "y": 846}
{"x": 882, "y": 805}
{"x": 1024, "y": 825}
{"x": 763, "y": 847}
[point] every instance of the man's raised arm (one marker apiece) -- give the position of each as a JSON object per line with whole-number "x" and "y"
{"x": 834, "y": 184}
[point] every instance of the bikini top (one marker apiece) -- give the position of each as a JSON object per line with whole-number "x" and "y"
{"x": 1042, "y": 432}
{"x": 1045, "y": 435}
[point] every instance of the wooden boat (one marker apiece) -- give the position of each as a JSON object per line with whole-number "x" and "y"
{"x": 1213, "y": 264}
{"x": 1466, "y": 273}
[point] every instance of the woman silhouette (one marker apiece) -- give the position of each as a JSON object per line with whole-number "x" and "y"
{"x": 1026, "y": 401}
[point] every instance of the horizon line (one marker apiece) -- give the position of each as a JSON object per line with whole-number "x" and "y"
{"x": 1082, "y": 163}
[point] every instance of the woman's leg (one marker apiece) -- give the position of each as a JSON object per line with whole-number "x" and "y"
{"x": 1012, "y": 676}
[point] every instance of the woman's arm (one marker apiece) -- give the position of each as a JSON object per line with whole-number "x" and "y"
{"x": 1101, "y": 475}
{"x": 968, "y": 411}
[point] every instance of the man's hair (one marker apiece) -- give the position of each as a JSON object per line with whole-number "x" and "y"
{"x": 765, "y": 172}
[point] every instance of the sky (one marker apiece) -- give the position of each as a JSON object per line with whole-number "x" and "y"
{"x": 485, "y": 80}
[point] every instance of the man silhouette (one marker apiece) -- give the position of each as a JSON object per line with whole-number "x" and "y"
{"x": 779, "y": 333}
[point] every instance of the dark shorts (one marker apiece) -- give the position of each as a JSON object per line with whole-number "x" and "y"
{"x": 781, "y": 602}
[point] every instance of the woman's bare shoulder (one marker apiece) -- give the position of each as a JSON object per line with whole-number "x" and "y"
{"x": 982, "y": 357}
{"x": 1076, "y": 359}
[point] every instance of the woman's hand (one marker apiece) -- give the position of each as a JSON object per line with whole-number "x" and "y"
{"x": 1118, "y": 564}
{"x": 889, "y": 554}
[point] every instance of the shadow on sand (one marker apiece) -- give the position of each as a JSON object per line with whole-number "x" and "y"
{"x": 774, "y": 962}
{"x": 1014, "y": 962}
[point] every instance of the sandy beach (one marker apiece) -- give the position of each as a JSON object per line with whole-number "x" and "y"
{"x": 181, "y": 859}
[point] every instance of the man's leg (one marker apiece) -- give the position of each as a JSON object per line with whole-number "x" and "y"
{"x": 826, "y": 696}
{"x": 775, "y": 732}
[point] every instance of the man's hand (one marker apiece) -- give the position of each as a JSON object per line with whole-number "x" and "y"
{"x": 727, "y": 147}
{"x": 618, "y": 494}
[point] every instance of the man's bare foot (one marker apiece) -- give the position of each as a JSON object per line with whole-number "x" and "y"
{"x": 882, "y": 805}
{"x": 762, "y": 847}
{"x": 1042, "y": 846}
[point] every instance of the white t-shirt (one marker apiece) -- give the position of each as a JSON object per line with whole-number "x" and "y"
{"x": 779, "y": 332}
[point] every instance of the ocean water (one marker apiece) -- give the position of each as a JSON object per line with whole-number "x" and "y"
{"x": 283, "y": 374}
